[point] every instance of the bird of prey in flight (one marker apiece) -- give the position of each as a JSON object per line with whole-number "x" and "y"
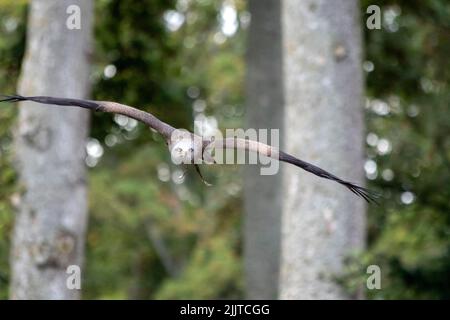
{"x": 188, "y": 148}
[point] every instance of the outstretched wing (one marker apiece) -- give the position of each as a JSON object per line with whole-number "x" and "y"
{"x": 166, "y": 131}
{"x": 104, "y": 106}
{"x": 275, "y": 153}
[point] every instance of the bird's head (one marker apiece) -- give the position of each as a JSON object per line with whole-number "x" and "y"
{"x": 185, "y": 148}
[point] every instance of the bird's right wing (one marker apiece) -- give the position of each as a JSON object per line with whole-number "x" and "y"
{"x": 104, "y": 106}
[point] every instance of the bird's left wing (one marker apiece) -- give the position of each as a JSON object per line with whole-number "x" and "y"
{"x": 275, "y": 153}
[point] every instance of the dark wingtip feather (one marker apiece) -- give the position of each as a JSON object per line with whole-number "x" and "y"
{"x": 11, "y": 98}
{"x": 368, "y": 195}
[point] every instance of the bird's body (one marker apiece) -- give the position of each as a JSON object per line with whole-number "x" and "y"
{"x": 188, "y": 148}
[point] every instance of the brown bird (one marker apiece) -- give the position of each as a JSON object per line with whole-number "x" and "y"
{"x": 188, "y": 148}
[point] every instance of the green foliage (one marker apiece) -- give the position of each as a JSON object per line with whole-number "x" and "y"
{"x": 148, "y": 237}
{"x": 151, "y": 237}
{"x": 134, "y": 215}
{"x": 216, "y": 257}
{"x": 133, "y": 38}
{"x": 12, "y": 42}
{"x": 409, "y": 238}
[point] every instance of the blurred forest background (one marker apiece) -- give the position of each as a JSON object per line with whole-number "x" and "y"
{"x": 154, "y": 236}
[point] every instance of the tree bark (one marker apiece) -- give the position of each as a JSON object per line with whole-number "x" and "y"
{"x": 50, "y": 141}
{"x": 323, "y": 124}
{"x": 264, "y": 110}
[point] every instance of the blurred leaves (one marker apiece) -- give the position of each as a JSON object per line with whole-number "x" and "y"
{"x": 12, "y": 44}
{"x": 153, "y": 237}
{"x": 409, "y": 234}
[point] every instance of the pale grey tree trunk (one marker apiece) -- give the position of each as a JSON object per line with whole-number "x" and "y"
{"x": 51, "y": 218}
{"x": 263, "y": 195}
{"x": 322, "y": 222}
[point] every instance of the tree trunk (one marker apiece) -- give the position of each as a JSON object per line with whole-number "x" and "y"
{"x": 264, "y": 110}
{"x": 323, "y": 124}
{"x": 50, "y": 141}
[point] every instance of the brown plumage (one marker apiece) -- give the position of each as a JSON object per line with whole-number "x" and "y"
{"x": 167, "y": 131}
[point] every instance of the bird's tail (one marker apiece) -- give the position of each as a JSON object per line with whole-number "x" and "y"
{"x": 368, "y": 195}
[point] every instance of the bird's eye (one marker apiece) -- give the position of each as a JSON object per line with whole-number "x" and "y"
{"x": 191, "y": 149}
